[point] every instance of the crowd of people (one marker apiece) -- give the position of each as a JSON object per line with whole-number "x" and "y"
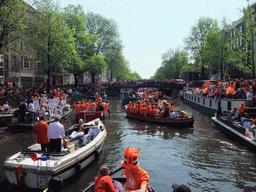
{"x": 43, "y": 105}
{"x": 146, "y": 104}
{"x": 96, "y": 104}
{"x": 237, "y": 89}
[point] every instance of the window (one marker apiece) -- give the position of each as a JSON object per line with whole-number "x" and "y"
{"x": 26, "y": 46}
{"x": 14, "y": 61}
{"x": 21, "y": 62}
{"x": 26, "y": 64}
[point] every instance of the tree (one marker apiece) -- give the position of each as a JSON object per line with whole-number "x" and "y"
{"x": 115, "y": 60}
{"x": 96, "y": 65}
{"x": 17, "y": 20}
{"x": 55, "y": 47}
{"x": 172, "y": 65}
{"x": 108, "y": 42}
{"x": 196, "y": 40}
{"x": 74, "y": 18}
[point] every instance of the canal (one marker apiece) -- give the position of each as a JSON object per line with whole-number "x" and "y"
{"x": 200, "y": 157}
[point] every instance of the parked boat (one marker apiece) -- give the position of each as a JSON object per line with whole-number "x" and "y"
{"x": 236, "y": 130}
{"x": 21, "y": 169}
{"x": 172, "y": 122}
{"x": 117, "y": 175}
{"x": 91, "y": 115}
{"x": 17, "y": 125}
{"x": 209, "y": 105}
{"x": 5, "y": 118}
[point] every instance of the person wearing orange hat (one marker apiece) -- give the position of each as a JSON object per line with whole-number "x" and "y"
{"x": 137, "y": 179}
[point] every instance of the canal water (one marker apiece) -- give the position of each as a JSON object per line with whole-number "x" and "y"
{"x": 200, "y": 157}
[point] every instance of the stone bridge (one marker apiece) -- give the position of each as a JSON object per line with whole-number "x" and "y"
{"x": 166, "y": 88}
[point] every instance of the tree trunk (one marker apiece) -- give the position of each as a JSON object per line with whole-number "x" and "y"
{"x": 93, "y": 76}
{"x": 76, "y": 79}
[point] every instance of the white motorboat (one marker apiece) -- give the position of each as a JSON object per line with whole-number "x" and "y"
{"x": 34, "y": 168}
{"x": 17, "y": 125}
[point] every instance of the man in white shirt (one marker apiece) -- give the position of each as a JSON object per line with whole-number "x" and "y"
{"x": 6, "y": 107}
{"x": 55, "y": 133}
{"x": 172, "y": 114}
{"x": 249, "y": 97}
{"x": 31, "y": 109}
{"x": 93, "y": 132}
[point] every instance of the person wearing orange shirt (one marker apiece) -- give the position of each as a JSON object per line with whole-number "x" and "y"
{"x": 129, "y": 107}
{"x": 152, "y": 112}
{"x": 104, "y": 181}
{"x": 82, "y": 107}
{"x": 137, "y": 179}
{"x": 57, "y": 95}
{"x": 241, "y": 109}
{"x": 40, "y": 129}
{"x": 135, "y": 108}
{"x": 144, "y": 94}
{"x": 93, "y": 107}
{"x": 96, "y": 96}
{"x": 77, "y": 106}
{"x": 86, "y": 104}
{"x": 172, "y": 106}
{"x": 63, "y": 97}
{"x": 142, "y": 110}
{"x": 106, "y": 105}
{"x": 146, "y": 110}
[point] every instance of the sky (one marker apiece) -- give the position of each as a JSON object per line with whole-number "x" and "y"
{"x": 149, "y": 28}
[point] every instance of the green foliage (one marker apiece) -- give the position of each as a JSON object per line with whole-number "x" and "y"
{"x": 173, "y": 64}
{"x": 16, "y": 21}
{"x": 196, "y": 40}
{"x": 96, "y": 65}
{"x": 55, "y": 47}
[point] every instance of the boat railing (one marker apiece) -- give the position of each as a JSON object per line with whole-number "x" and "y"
{"x": 27, "y": 151}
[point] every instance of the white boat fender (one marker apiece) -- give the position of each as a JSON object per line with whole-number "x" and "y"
{"x": 78, "y": 169}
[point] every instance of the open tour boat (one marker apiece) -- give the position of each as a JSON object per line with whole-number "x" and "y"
{"x": 33, "y": 168}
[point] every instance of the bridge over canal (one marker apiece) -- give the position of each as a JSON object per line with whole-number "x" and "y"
{"x": 166, "y": 88}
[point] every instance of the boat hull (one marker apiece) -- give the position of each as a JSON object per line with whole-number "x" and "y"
{"x": 89, "y": 116}
{"x": 233, "y": 131}
{"x": 209, "y": 105}
{"x": 71, "y": 161}
{"x": 16, "y": 125}
{"x": 172, "y": 122}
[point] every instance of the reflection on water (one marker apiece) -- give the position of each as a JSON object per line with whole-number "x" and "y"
{"x": 155, "y": 130}
{"x": 200, "y": 157}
